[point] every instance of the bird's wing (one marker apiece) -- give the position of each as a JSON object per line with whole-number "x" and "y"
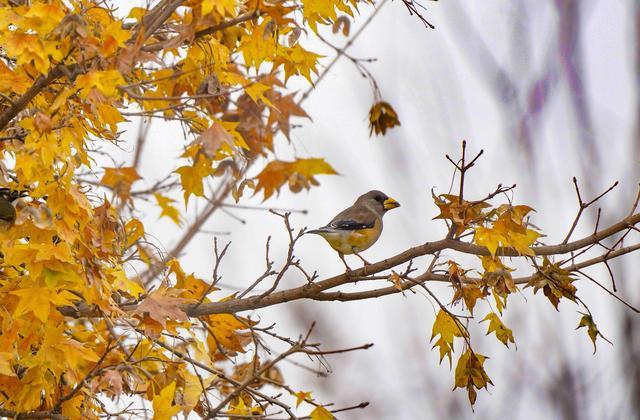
{"x": 354, "y": 218}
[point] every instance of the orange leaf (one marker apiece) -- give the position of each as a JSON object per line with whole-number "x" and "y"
{"x": 120, "y": 180}
{"x": 299, "y": 174}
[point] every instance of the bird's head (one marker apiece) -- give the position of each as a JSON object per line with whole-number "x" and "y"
{"x": 378, "y": 200}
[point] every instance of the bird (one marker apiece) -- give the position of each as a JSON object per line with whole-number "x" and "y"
{"x": 7, "y": 211}
{"x": 358, "y": 227}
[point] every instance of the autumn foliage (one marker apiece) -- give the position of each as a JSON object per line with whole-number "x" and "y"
{"x": 91, "y": 313}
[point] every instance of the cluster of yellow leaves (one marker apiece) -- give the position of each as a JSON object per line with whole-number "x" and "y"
{"x": 70, "y": 244}
{"x": 326, "y": 11}
{"x": 239, "y": 407}
{"x": 508, "y": 228}
{"x": 504, "y": 226}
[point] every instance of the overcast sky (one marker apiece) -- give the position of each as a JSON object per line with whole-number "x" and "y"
{"x": 445, "y": 86}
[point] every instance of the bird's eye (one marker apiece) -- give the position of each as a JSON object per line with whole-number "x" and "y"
{"x": 379, "y": 198}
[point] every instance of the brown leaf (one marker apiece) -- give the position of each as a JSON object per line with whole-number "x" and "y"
{"x": 161, "y": 305}
{"x": 120, "y": 180}
{"x": 396, "y": 280}
{"x": 213, "y": 138}
{"x": 382, "y": 116}
{"x": 284, "y": 107}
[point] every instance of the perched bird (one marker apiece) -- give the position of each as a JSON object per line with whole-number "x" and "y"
{"x": 357, "y": 228}
{"x": 7, "y": 211}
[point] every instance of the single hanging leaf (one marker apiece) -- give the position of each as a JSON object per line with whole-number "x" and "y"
{"x": 592, "y": 329}
{"x": 503, "y": 333}
{"x": 447, "y": 328}
{"x": 382, "y": 116}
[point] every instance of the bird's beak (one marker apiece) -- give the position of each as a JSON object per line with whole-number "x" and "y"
{"x": 390, "y": 203}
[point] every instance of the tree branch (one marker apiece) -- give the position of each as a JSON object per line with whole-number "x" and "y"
{"x": 316, "y": 290}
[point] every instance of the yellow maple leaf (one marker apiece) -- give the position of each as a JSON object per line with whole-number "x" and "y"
{"x": 191, "y": 176}
{"x": 256, "y": 91}
{"x": 258, "y": 47}
{"x": 522, "y": 243}
{"x": 503, "y": 333}
{"x": 320, "y": 12}
{"x": 447, "y": 328}
{"x": 29, "y": 48}
{"x": 120, "y": 281}
{"x": 25, "y": 399}
{"x": 39, "y": 300}
{"x": 302, "y": 396}
{"x": 73, "y": 407}
{"x": 106, "y": 82}
{"x": 488, "y": 238}
{"x": 592, "y": 329}
{"x": 168, "y": 209}
{"x": 45, "y": 16}
{"x": 109, "y": 116}
{"x": 113, "y": 37}
{"x": 321, "y": 413}
{"x": 238, "y": 407}
{"x": 226, "y": 332}
{"x": 298, "y": 61}
{"x": 163, "y": 407}
{"x": 222, "y": 7}
{"x": 135, "y": 230}
{"x": 193, "y": 388}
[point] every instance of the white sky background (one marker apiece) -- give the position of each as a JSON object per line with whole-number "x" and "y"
{"x": 436, "y": 81}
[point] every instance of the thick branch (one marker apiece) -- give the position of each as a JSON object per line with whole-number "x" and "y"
{"x": 30, "y": 415}
{"x": 317, "y": 289}
{"x": 21, "y": 103}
